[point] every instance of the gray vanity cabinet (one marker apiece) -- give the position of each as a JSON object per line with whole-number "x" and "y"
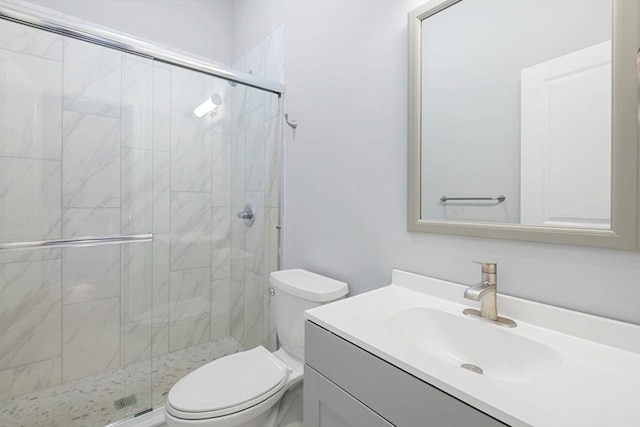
{"x": 333, "y": 407}
{"x": 346, "y": 386}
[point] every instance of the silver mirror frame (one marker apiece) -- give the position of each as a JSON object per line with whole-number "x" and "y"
{"x": 625, "y": 194}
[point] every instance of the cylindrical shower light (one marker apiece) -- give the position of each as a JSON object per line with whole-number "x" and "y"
{"x": 209, "y": 105}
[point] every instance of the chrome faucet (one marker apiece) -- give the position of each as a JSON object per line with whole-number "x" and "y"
{"x": 486, "y": 292}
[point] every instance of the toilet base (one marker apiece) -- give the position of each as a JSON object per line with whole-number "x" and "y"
{"x": 239, "y": 419}
{"x": 290, "y": 411}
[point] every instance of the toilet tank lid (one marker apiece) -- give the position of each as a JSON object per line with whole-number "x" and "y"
{"x": 310, "y": 286}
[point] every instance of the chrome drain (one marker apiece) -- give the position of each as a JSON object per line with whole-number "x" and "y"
{"x": 473, "y": 368}
{"x": 125, "y": 401}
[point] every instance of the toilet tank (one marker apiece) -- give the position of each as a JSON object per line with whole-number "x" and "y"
{"x": 295, "y": 292}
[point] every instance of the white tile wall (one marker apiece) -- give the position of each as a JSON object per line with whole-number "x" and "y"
{"x": 90, "y": 338}
{"x": 189, "y": 89}
{"x": 237, "y": 250}
{"x": 161, "y": 192}
{"x": 136, "y": 342}
{"x": 190, "y": 230}
{"x": 160, "y": 335}
{"x": 221, "y": 170}
{"x": 254, "y": 242}
{"x": 31, "y": 193}
{"x": 91, "y": 273}
{"x": 23, "y": 39}
{"x": 255, "y": 137}
{"x": 190, "y": 153}
{"x": 137, "y": 105}
{"x": 190, "y": 297}
{"x": 221, "y": 242}
{"x": 30, "y": 308}
{"x": 90, "y": 160}
{"x": 160, "y": 302}
{"x": 136, "y": 282}
{"x": 30, "y": 377}
{"x": 137, "y": 190}
{"x": 236, "y": 315}
{"x": 220, "y": 308}
{"x": 253, "y": 305}
{"x": 30, "y": 84}
{"x": 255, "y": 151}
{"x": 31, "y": 89}
{"x": 92, "y": 81}
{"x": 161, "y": 107}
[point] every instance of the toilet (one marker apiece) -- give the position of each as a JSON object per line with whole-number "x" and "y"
{"x": 256, "y": 388}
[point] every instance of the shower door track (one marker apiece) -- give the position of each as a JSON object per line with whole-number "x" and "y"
{"x": 128, "y": 44}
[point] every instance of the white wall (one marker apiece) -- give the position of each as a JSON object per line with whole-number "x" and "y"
{"x": 202, "y": 27}
{"x": 345, "y": 190}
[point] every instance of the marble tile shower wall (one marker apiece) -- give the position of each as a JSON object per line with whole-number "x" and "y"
{"x": 73, "y": 162}
{"x": 255, "y": 179}
{"x": 93, "y": 142}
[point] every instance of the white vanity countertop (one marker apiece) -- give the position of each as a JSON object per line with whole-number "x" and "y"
{"x": 596, "y": 384}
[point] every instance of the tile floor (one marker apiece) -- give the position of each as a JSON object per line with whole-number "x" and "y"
{"x": 89, "y": 402}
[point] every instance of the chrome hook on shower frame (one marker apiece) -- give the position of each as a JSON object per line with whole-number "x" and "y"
{"x": 291, "y": 123}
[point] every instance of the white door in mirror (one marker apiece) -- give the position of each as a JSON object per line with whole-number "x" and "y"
{"x": 566, "y": 140}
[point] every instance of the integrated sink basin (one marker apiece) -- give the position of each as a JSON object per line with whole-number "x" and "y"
{"x": 479, "y": 347}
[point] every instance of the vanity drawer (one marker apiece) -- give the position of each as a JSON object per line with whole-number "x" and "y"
{"x": 399, "y": 397}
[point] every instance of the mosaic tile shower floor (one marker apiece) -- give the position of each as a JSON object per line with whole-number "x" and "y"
{"x": 89, "y": 402}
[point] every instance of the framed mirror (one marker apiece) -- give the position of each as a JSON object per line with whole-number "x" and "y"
{"x": 523, "y": 120}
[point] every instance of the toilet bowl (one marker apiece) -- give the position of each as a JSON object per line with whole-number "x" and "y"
{"x": 256, "y": 388}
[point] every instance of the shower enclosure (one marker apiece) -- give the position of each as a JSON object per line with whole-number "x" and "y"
{"x": 123, "y": 264}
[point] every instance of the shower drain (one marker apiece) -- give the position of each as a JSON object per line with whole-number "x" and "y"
{"x": 125, "y": 401}
{"x": 473, "y": 368}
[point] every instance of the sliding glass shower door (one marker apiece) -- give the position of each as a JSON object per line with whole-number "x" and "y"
{"x": 124, "y": 264}
{"x": 75, "y": 196}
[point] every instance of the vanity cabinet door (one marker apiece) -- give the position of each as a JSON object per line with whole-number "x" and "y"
{"x": 327, "y": 405}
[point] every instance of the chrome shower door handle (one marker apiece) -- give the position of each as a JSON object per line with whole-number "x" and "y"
{"x": 248, "y": 214}
{"x": 71, "y": 242}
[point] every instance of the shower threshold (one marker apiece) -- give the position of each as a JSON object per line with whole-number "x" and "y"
{"x": 90, "y": 401}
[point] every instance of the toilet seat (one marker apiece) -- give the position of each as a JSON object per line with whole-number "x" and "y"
{"x": 228, "y": 385}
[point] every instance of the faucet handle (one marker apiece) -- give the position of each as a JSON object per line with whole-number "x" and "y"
{"x": 488, "y": 267}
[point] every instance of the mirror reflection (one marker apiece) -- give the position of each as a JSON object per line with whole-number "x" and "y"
{"x": 517, "y": 117}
